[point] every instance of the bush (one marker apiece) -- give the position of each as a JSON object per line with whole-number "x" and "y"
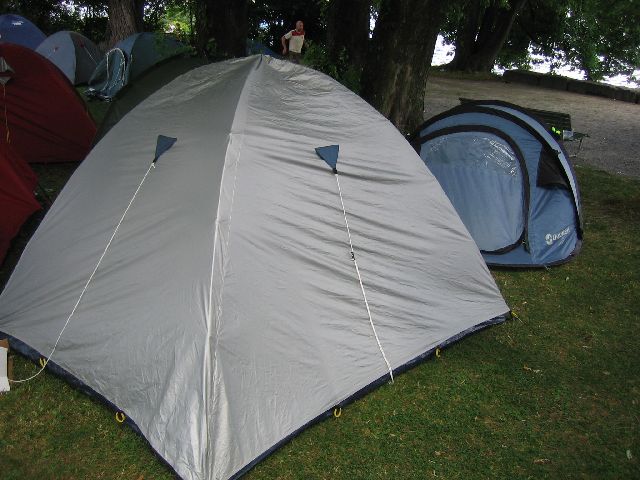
{"x": 317, "y": 57}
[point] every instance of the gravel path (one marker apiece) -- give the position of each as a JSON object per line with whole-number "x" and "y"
{"x": 613, "y": 126}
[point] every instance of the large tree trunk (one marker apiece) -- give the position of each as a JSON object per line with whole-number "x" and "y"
{"x": 348, "y": 31}
{"x": 125, "y": 18}
{"x": 482, "y": 34}
{"x": 395, "y": 75}
{"x": 226, "y": 23}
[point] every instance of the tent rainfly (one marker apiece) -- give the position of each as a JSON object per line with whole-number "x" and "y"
{"x": 128, "y": 59}
{"x": 73, "y": 53}
{"x": 45, "y": 120}
{"x": 17, "y": 201}
{"x": 201, "y": 271}
{"x": 509, "y": 179}
{"x": 144, "y": 85}
{"x": 19, "y": 30}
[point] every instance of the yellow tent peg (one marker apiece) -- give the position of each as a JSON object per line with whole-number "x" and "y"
{"x": 120, "y": 417}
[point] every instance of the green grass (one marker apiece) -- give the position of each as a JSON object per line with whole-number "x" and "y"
{"x": 552, "y": 394}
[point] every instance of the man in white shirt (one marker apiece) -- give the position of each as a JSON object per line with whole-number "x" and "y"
{"x": 296, "y": 40}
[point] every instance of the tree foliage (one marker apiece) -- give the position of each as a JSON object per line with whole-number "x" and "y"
{"x": 389, "y": 68}
{"x": 270, "y": 19}
{"x": 479, "y": 29}
{"x": 221, "y": 28}
{"x": 348, "y": 33}
{"x": 602, "y": 39}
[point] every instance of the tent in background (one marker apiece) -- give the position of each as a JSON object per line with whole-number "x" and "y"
{"x": 46, "y": 120}
{"x": 226, "y": 311}
{"x": 73, "y": 53}
{"x": 17, "y": 201}
{"x": 509, "y": 179}
{"x": 144, "y": 85}
{"x": 128, "y": 59}
{"x": 255, "y": 47}
{"x": 19, "y": 30}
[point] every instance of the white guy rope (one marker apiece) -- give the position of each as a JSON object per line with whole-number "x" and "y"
{"x": 86, "y": 285}
{"x": 364, "y": 295}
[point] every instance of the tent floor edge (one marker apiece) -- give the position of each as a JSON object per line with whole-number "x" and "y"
{"x": 33, "y": 355}
{"x": 30, "y": 353}
{"x": 372, "y": 386}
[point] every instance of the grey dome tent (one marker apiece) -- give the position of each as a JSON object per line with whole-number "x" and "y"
{"x": 19, "y": 30}
{"x": 509, "y": 179}
{"x": 128, "y": 59}
{"x": 144, "y": 85}
{"x": 73, "y": 53}
{"x": 199, "y": 265}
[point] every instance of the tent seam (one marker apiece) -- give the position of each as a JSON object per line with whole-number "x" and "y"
{"x": 218, "y": 314}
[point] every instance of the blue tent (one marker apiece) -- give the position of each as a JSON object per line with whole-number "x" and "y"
{"x": 73, "y": 53}
{"x": 17, "y": 29}
{"x": 128, "y": 59}
{"x": 255, "y": 47}
{"x": 509, "y": 180}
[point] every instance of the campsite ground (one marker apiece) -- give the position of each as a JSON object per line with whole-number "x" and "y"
{"x": 553, "y": 393}
{"x": 613, "y": 126}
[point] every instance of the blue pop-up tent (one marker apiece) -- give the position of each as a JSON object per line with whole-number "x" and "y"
{"x": 17, "y": 29}
{"x": 509, "y": 180}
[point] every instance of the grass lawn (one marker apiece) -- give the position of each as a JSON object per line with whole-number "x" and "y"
{"x": 552, "y": 394}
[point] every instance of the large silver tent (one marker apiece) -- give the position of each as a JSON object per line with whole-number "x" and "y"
{"x": 212, "y": 295}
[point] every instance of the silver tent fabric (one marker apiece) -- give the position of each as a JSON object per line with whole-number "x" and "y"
{"x": 227, "y": 314}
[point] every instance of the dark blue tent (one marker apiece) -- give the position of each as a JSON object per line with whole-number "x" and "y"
{"x": 128, "y": 59}
{"x": 509, "y": 180}
{"x": 17, "y": 29}
{"x": 255, "y": 47}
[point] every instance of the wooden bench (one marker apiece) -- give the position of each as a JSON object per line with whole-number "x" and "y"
{"x": 558, "y": 124}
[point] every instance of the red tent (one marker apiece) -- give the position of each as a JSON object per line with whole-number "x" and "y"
{"x": 46, "y": 119}
{"x": 17, "y": 201}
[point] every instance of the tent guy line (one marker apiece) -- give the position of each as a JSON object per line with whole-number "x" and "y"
{"x": 330, "y": 155}
{"x": 364, "y": 295}
{"x": 163, "y": 144}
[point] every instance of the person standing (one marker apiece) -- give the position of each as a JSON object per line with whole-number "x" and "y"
{"x": 296, "y": 40}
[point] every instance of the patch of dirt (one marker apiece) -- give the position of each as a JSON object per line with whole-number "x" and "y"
{"x": 613, "y": 126}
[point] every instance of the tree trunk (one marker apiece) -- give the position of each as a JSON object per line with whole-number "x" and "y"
{"x": 225, "y": 22}
{"x": 398, "y": 60}
{"x": 348, "y": 31}
{"x": 125, "y": 18}
{"x": 482, "y": 34}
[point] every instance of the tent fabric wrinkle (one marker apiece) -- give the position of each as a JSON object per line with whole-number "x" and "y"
{"x": 245, "y": 321}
